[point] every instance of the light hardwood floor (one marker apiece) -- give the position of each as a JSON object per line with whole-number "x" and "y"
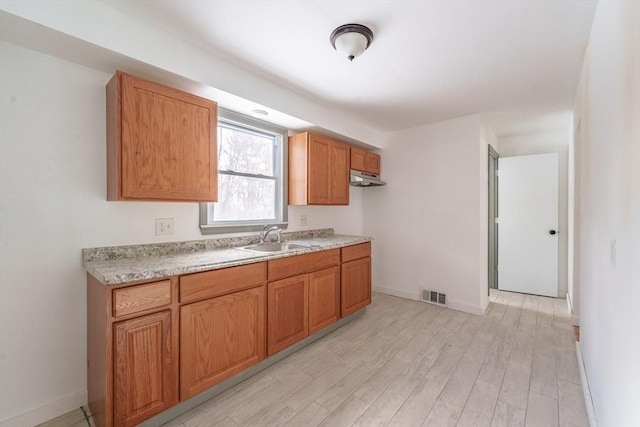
{"x": 406, "y": 363}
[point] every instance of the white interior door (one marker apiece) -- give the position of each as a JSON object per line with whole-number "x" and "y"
{"x": 528, "y": 224}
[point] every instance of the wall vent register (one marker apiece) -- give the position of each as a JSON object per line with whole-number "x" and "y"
{"x": 433, "y": 297}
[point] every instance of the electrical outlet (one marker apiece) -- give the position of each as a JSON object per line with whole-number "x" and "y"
{"x": 164, "y": 226}
{"x": 304, "y": 220}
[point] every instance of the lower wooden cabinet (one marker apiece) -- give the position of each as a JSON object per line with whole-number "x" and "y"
{"x": 145, "y": 368}
{"x": 153, "y": 344}
{"x": 356, "y": 285}
{"x": 324, "y": 298}
{"x": 220, "y": 337}
{"x": 301, "y": 305}
{"x": 288, "y": 308}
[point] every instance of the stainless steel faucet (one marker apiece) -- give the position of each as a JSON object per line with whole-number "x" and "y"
{"x": 265, "y": 232}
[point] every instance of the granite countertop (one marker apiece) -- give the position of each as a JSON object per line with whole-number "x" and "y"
{"x": 121, "y": 264}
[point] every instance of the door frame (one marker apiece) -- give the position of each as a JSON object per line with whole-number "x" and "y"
{"x": 492, "y": 250}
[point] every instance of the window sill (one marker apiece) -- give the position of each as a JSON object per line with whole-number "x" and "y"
{"x": 241, "y": 228}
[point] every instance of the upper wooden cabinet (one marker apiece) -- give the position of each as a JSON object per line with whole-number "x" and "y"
{"x": 161, "y": 142}
{"x": 365, "y": 161}
{"x": 318, "y": 170}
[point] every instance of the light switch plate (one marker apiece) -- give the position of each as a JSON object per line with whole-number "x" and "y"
{"x": 304, "y": 220}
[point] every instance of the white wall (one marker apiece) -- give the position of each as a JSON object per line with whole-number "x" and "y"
{"x": 343, "y": 219}
{"x": 96, "y": 35}
{"x": 53, "y": 204}
{"x": 540, "y": 143}
{"x": 608, "y": 108}
{"x": 429, "y": 222}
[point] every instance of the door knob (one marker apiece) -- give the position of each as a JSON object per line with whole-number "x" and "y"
{"x": 552, "y": 232}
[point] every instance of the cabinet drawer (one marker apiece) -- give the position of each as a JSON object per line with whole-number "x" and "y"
{"x": 292, "y": 266}
{"x": 142, "y": 297}
{"x": 350, "y": 253}
{"x": 199, "y": 286}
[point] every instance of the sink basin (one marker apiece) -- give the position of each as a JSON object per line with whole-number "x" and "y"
{"x": 276, "y": 247}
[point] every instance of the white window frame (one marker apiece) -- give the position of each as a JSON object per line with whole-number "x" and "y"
{"x": 233, "y": 119}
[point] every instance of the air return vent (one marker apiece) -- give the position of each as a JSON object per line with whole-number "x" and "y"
{"x": 433, "y": 297}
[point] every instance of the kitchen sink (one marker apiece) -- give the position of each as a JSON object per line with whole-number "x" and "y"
{"x": 276, "y": 247}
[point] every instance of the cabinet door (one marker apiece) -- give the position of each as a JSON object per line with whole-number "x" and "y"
{"x": 145, "y": 368}
{"x": 356, "y": 285}
{"x": 287, "y": 308}
{"x": 318, "y": 171}
{"x": 358, "y": 159}
{"x": 168, "y": 143}
{"x": 220, "y": 337}
{"x": 324, "y": 298}
{"x": 339, "y": 174}
{"x": 373, "y": 163}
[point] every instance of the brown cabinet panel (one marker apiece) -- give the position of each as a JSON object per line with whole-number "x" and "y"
{"x": 324, "y": 298}
{"x": 365, "y": 161}
{"x": 288, "y": 308}
{"x": 373, "y": 163}
{"x": 318, "y": 170}
{"x": 294, "y": 265}
{"x": 220, "y": 337}
{"x": 161, "y": 142}
{"x": 362, "y": 250}
{"x": 356, "y": 285}
{"x": 339, "y": 174}
{"x": 145, "y": 368}
{"x": 135, "y": 299}
{"x": 199, "y": 286}
{"x": 358, "y": 159}
{"x": 298, "y": 161}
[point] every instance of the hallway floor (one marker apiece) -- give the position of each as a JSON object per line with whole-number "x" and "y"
{"x": 407, "y": 363}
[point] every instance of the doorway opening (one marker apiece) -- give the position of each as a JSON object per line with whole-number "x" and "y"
{"x": 493, "y": 219}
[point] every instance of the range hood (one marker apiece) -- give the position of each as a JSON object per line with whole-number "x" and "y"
{"x": 365, "y": 179}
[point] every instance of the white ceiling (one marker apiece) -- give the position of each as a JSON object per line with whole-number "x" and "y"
{"x": 517, "y": 61}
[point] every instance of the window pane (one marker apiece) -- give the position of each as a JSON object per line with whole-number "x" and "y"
{"x": 243, "y": 151}
{"x": 242, "y": 198}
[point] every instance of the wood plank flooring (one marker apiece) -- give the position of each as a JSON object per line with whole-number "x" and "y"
{"x": 406, "y": 363}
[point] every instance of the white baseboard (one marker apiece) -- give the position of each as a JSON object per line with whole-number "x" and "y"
{"x": 415, "y": 296}
{"x": 47, "y": 411}
{"x": 588, "y": 403}
{"x": 575, "y": 320}
{"x": 397, "y": 293}
{"x": 464, "y": 307}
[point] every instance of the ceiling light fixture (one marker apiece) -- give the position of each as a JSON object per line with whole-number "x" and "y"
{"x": 351, "y": 40}
{"x": 259, "y": 113}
